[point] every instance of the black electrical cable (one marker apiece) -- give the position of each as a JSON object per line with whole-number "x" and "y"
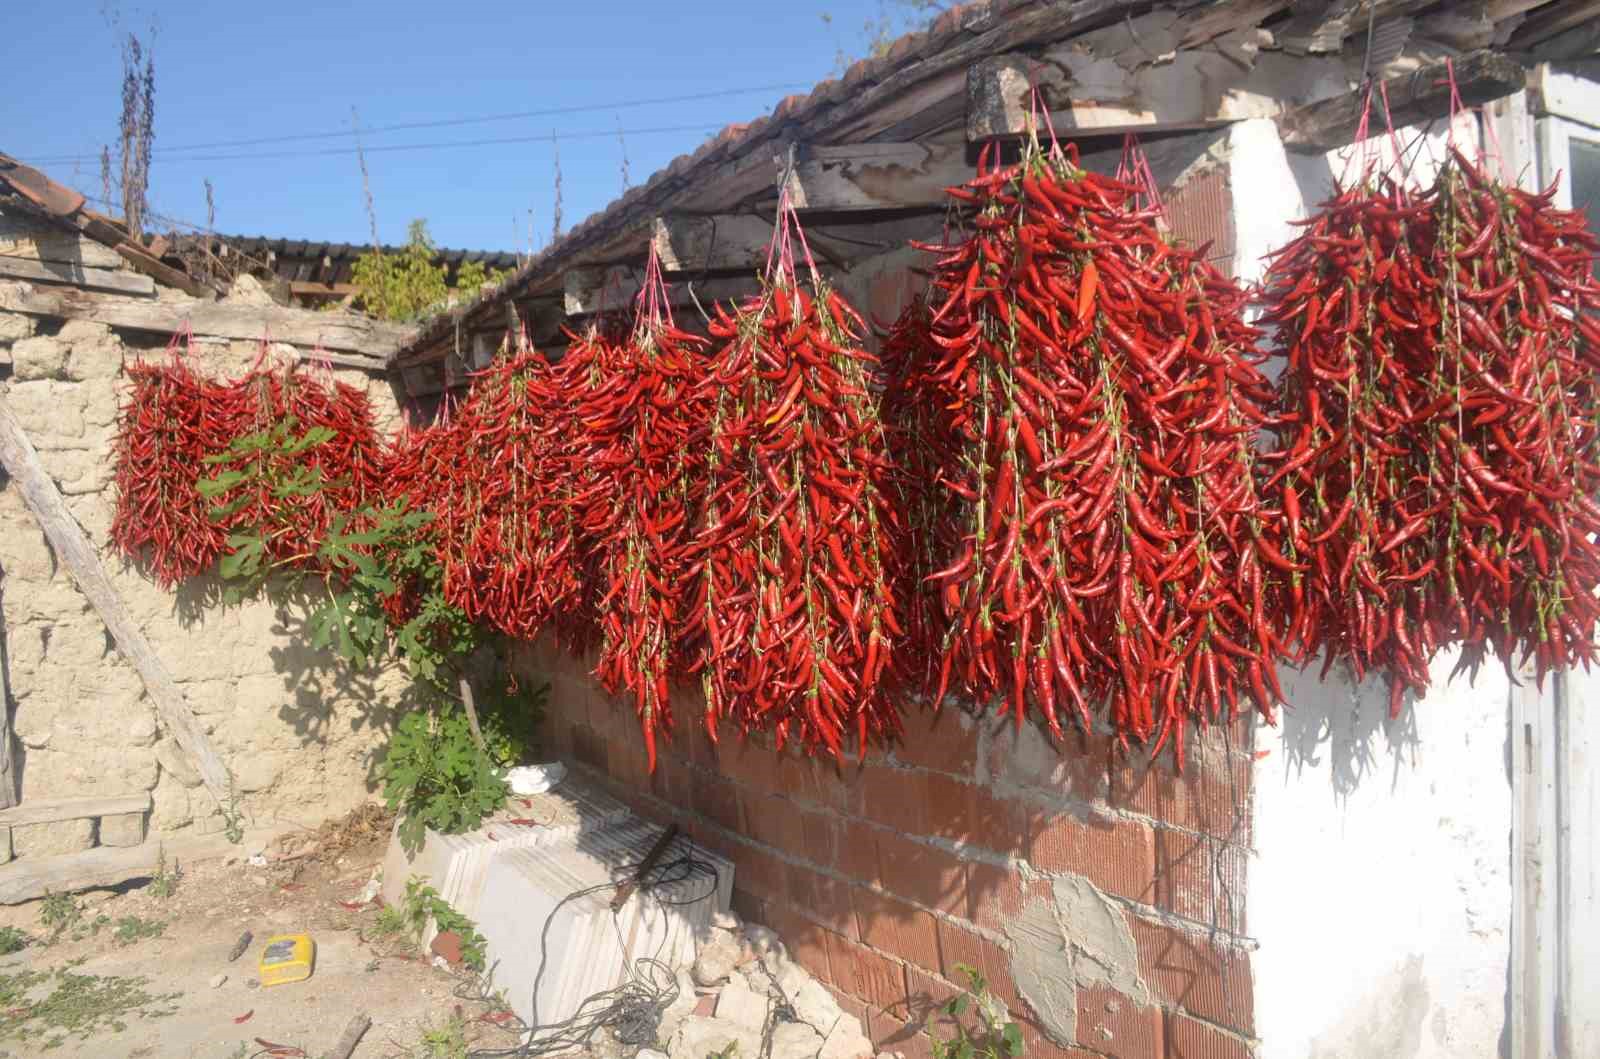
{"x": 632, "y": 1010}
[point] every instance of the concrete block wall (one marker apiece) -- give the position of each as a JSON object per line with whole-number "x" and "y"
{"x": 1100, "y": 894}
{"x": 300, "y": 733}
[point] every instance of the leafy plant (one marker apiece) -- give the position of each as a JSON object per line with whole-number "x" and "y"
{"x": 79, "y": 1005}
{"x": 422, "y": 903}
{"x": 59, "y": 913}
{"x": 996, "y": 1036}
{"x": 408, "y": 285}
{"x": 11, "y": 940}
{"x": 436, "y": 777}
{"x": 132, "y": 928}
{"x": 388, "y": 922}
{"x": 448, "y": 1041}
{"x": 165, "y": 883}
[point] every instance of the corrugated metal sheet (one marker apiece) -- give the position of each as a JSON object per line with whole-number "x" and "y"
{"x": 1200, "y": 212}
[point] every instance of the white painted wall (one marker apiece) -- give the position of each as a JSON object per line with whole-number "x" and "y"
{"x": 1381, "y": 890}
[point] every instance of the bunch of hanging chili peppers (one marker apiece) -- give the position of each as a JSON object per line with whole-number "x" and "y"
{"x": 1104, "y": 394}
{"x": 1440, "y": 418}
{"x": 793, "y": 611}
{"x": 642, "y": 424}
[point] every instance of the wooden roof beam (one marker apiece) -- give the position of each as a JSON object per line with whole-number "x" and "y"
{"x": 1416, "y": 97}
{"x": 594, "y": 290}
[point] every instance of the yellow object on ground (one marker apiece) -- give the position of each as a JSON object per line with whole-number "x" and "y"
{"x": 287, "y": 958}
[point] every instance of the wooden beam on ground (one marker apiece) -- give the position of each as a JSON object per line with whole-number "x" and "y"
{"x": 75, "y": 275}
{"x": 303, "y": 289}
{"x": 73, "y": 550}
{"x": 877, "y": 176}
{"x": 29, "y": 878}
{"x": 54, "y": 810}
{"x": 1413, "y": 98}
{"x": 306, "y": 328}
{"x": 595, "y": 290}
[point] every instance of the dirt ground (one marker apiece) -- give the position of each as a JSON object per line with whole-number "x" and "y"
{"x": 152, "y": 996}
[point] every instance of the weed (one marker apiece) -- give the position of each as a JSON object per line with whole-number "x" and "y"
{"x": 11, "y": 940}
{"x": 996, "y": 1038}
{"x": 448, "y": 1041}
{"x": 727, "y": 1053}
{"x": 59, "y": 913}
{"x": 73, "y": 1005}
{"x": 164, "y": 883}
{"x": 422, "y": 903}
{"x": 232, "y": 817}
{"x": 390, "y": 921}
{"x": 131, "y": 929}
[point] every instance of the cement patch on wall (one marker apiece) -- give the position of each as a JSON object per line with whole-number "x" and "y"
{"x": 1078, "y": 938}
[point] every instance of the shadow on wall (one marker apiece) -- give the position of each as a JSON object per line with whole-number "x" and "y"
{"x": 1348, "y": 725}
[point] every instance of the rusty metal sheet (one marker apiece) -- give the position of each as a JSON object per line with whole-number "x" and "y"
{"x": 39, "y": 189}
{"x": 1200, "y": 212}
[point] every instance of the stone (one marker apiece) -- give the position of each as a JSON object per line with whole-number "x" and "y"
{"x": 14, "y": 326}
{"x": 75, "y": 331}
{"x": 94, "y": 358}
{"x": 247, "y": 290}
{"x": 716, "y": 959}
{"x": 172, "y": 809}
{"x": 5, "y": 845}
{"x": 49, "y": 840}
{"x": 685, "y": 1005}
{"x": 217, "y": 980}
{"x": 795, "y": 1040}
{"x": 48, "y": 413}
{"x": 742, "y": 1006}
{"x": 122, "y": 829}
{"x": 650, "y": 1053}
{"x": 726, "y": 921}
{"x": 815, "y": 1006}
{"x": 40, "y": 357}
{"x": 845, "y": 1042}
{"x": 699, "y": 1037}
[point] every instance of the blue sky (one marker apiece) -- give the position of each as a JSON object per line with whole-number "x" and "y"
{"x": 250, "y": 71}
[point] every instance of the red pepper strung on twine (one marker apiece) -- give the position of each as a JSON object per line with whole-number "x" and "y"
{"x": 643, "y": 425}
{"x": 1104, "y": 390}
{"x": 793, "y": 612}
{"x": 1440, "y": 416}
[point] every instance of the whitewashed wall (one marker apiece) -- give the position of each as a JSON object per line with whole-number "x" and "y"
{"x": 1381, "y": 889}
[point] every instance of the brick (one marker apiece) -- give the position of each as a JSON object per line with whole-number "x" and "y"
{"x": 890, "y": 1034}
{"x": 747, "y": 906}
{"x": 819, "y": 839}
{"x": 1117, "y": 855}
{"x": 869, "y": 976}
{"x": 827, "y": 784}
{"x": 822, "y": 899}
{"x": 759, "y": 871}
{"x": 586, "y": 747}
{"x": 747, "y": 763}
{"x": 897, "y": 928}
{"x": 958, "y": 945}
{"x": 945, "y": 741}
{"x": 896, "y": 798}
{"x": 670, "y": 781}
{"x": 1001, "y": 824}
{"x": 1189, "y": 1039}
{"x": 1035, "y": 1045}
{"x": 809, "y": 944}
{"x": 772, "y": 821}
{"x": 858, "y": 851}
{"x": 1201, "y": 878}
{"x": 1212, "y": 795}
{"x": 996, "y": 893}
{"x": 928, "y": 875}
{"x": 1112, "y": 1023}
{"x": 1186, "y": 970}
{"x": 950, "y": 809}
{"x": 717, "y": 801}
{"x": 926, "y": 996}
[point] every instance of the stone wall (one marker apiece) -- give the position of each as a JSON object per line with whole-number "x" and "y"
{"x": 299, "y": 733}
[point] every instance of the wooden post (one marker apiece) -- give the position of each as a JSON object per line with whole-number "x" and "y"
{"x": 21, "y": 462}
{"x": 472, "y": 713}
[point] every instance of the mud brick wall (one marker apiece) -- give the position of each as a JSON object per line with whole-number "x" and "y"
{"x": 1100, "y": 895}
{"x": 298, "y": 731}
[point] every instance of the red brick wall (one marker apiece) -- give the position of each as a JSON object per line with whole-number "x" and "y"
{"x": 882, "y": 876}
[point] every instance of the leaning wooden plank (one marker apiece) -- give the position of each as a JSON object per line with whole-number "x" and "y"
{"x": 153, "y": 266}
{"x": 1416, "y": 97}
{"x": 50, "y": 810}
{"x": 76, "y": 275}
{"x": 74, "y": 551}
{"x": 306, "y": 328}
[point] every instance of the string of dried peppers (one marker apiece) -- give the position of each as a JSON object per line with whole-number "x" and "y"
{"x": 793, "y": 609}
{"x": 1439, "y": 413}
{"x": 1105, "y": 393}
